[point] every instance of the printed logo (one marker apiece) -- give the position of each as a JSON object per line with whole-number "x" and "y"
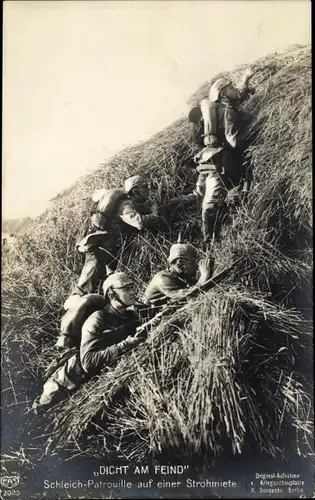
{"x": 9, "y": 481}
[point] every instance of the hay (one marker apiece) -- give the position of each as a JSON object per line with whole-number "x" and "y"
{"x": 172, "y": 392}
{"x": 208, "y": 377}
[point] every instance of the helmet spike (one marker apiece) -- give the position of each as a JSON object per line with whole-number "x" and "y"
{"x": 109, "y": 270}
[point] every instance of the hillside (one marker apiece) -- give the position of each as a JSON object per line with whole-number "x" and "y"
{"x": 16, "y": 226}
{"x": 231, "y": 371}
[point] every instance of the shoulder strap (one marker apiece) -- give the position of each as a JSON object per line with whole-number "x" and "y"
{"x": 214, "y": 126}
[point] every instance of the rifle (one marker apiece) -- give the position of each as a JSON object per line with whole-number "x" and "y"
{"x": 59, "y": 361}
{"x": 210, "y": 283}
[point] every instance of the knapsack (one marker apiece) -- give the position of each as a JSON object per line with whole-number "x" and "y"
{"x": 108, "y": 201}
{"x": 78, "y": 309}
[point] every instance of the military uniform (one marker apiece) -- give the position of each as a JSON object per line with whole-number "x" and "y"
{"x": 100, "y": 250}
{"x": 220, "y": 161}
{"x": 166, "y": 284}
{"x": 104, "y": 337}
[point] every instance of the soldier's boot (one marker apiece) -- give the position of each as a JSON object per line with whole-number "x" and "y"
{"x": 212, "y": 221}
{"x": 208, "y": 224}
{"x": 52, "y": 394}
{"x": 221, "y": 216}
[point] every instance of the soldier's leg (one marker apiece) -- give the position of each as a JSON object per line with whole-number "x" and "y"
{"x": 52, "y": 394}
{"x": 213, "y": 207}
{"x": 102, "y": 271}
{"x": 89, "y": 278}
{"x": 201, "y": 184}
{"x": 220, "y": 218}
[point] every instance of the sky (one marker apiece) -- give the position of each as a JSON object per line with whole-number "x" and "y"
{"x": 83, "y": 79}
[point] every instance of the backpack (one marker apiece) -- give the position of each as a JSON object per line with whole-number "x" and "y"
{"x": 78, "y": 309}
{"x": 108, "y": 201}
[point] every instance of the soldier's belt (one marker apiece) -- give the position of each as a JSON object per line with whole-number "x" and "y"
{"x": 206, "y": 167}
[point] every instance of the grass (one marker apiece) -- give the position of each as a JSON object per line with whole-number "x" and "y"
{"x": 231, "y": 371}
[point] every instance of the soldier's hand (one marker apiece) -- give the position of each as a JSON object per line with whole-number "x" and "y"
{"x": 249, "y": 72}
{"x": 141, "y": 334}
{"x": 154, "y": 209}
{"x": 133, "y": 341}
{"x": 206, "y": 268}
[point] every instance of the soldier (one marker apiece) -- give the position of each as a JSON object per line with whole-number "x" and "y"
{"x": 119, "y": 212}
{"x": 107, "y": 334}
{"x": 220, "y": 163}
{"x": 180, "y": 277}
{"x": 100, "y": 249}
{"x": 128, "y": 207}
{"x": 111, "y": 331}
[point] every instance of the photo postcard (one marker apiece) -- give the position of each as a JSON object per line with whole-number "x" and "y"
{"x": 157, "y": 250}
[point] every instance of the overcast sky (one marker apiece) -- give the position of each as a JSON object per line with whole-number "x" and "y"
{"x": 83, "y": 79}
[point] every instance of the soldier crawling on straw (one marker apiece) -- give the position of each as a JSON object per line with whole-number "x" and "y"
{"x": 100, "y": 337}
{"x": 118, "y": 210}
{"x": 107, "y": 333}
{"x": 180, "y": 277}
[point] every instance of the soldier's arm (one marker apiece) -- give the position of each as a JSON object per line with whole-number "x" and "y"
{"x": 129, "y": 214}
{"x": 169, "y": 288}
{"x": 232, "y": 130}
{"x": 243, "y": 84}
{"x": 93, "y": 359}
{"x": 90, "y": 241}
